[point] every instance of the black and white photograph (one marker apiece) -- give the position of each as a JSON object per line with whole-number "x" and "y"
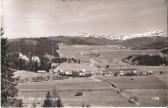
{"x": 84, "y": 53}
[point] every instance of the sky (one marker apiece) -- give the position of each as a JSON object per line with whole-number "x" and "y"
{"x": 41, "y": 18}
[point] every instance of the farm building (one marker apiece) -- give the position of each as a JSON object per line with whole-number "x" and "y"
{"x": 69, "y": 68}
{"x": 132, "y": 72}
{"x": 41, "y": 71}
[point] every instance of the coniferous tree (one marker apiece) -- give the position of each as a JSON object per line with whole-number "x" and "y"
{"x": 34, "y": 104}
{"x": 48, "y": 101}
{"x": 45, "y": 64}
{"x": 148, "y": 60}
{"x": 55, "y": 97}
{"x": 8, "y": 89}
{"x": 59, "y": 102}
{"x": 35, "y": 66}
{"x": 20, "y": 103}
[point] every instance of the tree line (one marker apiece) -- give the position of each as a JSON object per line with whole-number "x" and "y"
{"x": 42, "y": 63}
{"x": 165, "y": 51}
{"x": 8, "y": 84}
{"x": 35, "y": 46}
{"x": 148, "y": 60}
{"x": 9, "y": 92}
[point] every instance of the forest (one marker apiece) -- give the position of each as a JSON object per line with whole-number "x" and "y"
{"x": 147, "y": 60}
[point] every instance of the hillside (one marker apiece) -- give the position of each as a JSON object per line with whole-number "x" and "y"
{"x": 33, "y": 46}
{"x": 141, "y": 43}
{"x": 49, "y": 45}
{"x": 84, "y": 40}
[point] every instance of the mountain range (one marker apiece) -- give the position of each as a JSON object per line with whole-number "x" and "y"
{"x": 148, "y": 40}
{"x": 121, "y": 36}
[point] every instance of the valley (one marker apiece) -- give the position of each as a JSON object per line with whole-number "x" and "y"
{"x": 96, "y": 90}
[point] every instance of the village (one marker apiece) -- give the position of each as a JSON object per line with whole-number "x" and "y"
{"x": 88, "y": 63}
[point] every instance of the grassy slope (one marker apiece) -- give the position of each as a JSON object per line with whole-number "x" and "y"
{"x": 141, "y": 43}
{"x": 144, "y": 88}
{"x": 95, "y": 93}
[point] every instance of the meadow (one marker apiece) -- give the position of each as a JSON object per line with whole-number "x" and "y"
{"x": 99, "y": 92}
{"x": 110, "y": 54}
{"x": 95, "y": 93}
{"x": 149, "y": 90}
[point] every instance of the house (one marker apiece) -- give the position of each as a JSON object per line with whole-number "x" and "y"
{"x": 82, "y": 74}
{"x": 23, "y": 57}
{"x": 146, "y": 72}
{"x": 135, "y": 72}
{"x": 41, "y": 71}
{"x": 149, "y": 72}
{"x": 121, "y": 73}
{"x": 36, "y": 58}
{"x": 68, "y": 72}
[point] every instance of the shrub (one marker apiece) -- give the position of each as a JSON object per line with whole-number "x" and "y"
{"x": 17, "y": 103}
{"x": 26, "y": 79}
{"x": 161, "y": 72}
{"x": 85, "y": 105}
{"x": 53, "y": 100}
{"x": 59, "y": 102}
{"x": 135, "y": 98}
{"x": 34, "y": 104}
{"x": 88, "y": 105}
{"x": 118, "y": 91}
{"x": 48, "y": 101}
{"x": 48, "y": 77}
{"x": 79, "y": 93}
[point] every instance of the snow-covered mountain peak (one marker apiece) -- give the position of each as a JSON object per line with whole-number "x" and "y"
{"x": 122, "y": 36}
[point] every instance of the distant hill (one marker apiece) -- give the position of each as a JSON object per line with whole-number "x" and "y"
{"x": 33, "y": 46}
{"x": 142, "y": 43}
{"x": 85, "y": 40}
{"x": 49, "y": 45}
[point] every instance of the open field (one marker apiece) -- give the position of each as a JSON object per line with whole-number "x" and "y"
{"x": 149, "y": 97}
{"x": 149, "y": 90}
{"x": 28, "y": 74}
{"x": 100, "y": 93}
{"x": 154, "y": 69}
{"x": 163, "y": 78}
{"x": 95, "y": 98}
{"x": 140, "y": 82}
{"x": 109, "y": 54}
{"x": 95, "y": 93}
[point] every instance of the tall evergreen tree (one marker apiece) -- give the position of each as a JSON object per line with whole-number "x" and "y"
{"x": 45, "y": 64}
{"x": 48, "y": 100}
{"x": 8, "y": 89}
{"x": 59, "y": 102}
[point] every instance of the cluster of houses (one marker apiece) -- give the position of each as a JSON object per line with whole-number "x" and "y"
{"x": 80, "y": 73}
{"x": 133, "y": 73}
{"x": 123, "y": 72}
{"x": 72, "y": 69}
{"x": 73, "y": 60}
{"x": 24, "y": 57}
